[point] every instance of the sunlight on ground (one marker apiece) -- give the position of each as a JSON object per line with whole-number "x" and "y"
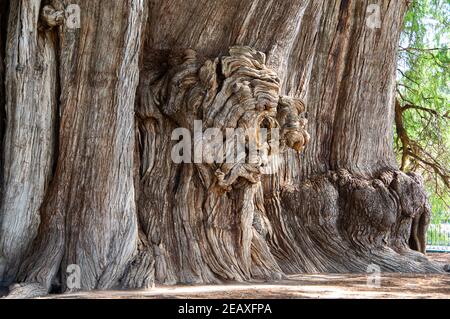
{"x": 298, "y": 286}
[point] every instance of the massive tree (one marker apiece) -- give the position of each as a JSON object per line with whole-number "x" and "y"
{"x": 88, "y": 176}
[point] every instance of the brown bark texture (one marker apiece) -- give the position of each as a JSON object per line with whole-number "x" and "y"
{"x": 87, "y": 170}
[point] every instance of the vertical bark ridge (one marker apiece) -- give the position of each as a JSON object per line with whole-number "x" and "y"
{"x": 342, "y": 140}
{"x": 4, "y": 9}
{"x": 29, "y": 141}
{"x": 89, "y": 216}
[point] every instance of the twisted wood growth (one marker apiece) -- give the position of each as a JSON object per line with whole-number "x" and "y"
{"x": 213, "y": 236}
{"x": 236, "y": 92}
{"x": 88, "y": 177}
{"x": 254, "y": 231}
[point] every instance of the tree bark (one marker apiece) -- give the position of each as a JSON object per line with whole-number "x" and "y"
{"x": 88, "y": 216}
{"x": 31, "y": 86}
{"x": 120, "y": 208}
{"x": 3, "y": 17}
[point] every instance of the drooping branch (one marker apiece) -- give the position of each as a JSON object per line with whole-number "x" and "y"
{"x": 411, "y": 148}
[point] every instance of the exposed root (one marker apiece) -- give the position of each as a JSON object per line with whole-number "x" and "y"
{"x": 26, "y": 290}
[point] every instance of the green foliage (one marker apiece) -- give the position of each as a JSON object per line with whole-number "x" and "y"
{"x": 438, "y": 234}
{"x": 423, "y": 93}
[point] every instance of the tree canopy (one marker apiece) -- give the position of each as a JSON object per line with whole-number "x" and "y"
{"x": 422, "y": 138}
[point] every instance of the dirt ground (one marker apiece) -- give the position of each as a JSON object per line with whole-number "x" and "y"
{"x": 440, "y": 257}
{"x": 299, "y": 286}
{"x": 392, "y": 285}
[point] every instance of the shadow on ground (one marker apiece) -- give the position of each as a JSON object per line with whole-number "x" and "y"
{"x": 392, "y": 285}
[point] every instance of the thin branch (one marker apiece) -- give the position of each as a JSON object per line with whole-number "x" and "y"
{"x": 423, "y": 49}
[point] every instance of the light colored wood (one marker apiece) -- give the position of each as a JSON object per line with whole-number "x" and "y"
{"x": 29, "y": 140}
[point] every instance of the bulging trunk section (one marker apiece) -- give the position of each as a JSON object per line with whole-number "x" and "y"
{"x": 340, "y": 206}
{"x": 125, "y": 210}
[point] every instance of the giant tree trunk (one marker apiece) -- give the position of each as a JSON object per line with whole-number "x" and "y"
{"x": 93, "y": 169}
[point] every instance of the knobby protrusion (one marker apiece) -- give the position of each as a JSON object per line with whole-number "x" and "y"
{"x": 51, "y": 17}
{"x": 245, "y": 96}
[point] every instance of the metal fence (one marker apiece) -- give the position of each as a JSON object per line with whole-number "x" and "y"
{"x": 438, "y": 237}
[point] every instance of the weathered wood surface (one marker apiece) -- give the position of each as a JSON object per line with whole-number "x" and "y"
{"x": 88, "y": 217}
{"x": 29, "y": 140}
{"x": 102, "y": 110}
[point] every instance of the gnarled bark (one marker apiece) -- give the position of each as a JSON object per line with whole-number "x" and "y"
{"x": 121, "y": 209}
{"x": 31, "y": 89}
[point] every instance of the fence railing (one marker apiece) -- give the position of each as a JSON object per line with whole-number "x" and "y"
{"x": 438, "y": 237}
